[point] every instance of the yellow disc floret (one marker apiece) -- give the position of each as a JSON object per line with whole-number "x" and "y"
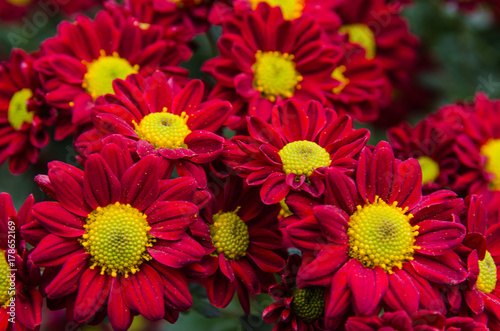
{"x": 275, "y": 75}
{"x": 308, "y": 303}
{"x": 164, "y": 130}
{"x": 380, "y": 235}
{"x": 117, "y": 237}
{"x": 18, "y": 113}
{"x": 229, "y": 235}
{"x": 491, "y": 150}
{"x": 361, "y": 34}
{"x": 487, "y": 279}
{"x": 291, "y": 9}
{"x": 284, "y": 211}
{"x": 302, "y": 157}
{"x": 430, "y": 169}
{"x": 4, "y": 280}
{"x": 338, "y": 74}
{"x": 101, "y": 72}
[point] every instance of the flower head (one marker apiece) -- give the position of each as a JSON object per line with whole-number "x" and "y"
{"x": 303, "y": 307}
{"x": 80, "y": 64}
{"x": 294, "y": 152}
{"x": 23, "y": 113}
{"x": 243, "y": 242}
{"x": 378, "y": 232}
{"x": 170, "y": 121}
{"x": 117, "y": 237}
{"x": 265, "y": 59}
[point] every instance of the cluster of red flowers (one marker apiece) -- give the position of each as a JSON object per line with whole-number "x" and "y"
{"x": 182, "y": 181}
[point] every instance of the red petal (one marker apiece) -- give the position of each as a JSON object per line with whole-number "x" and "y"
{"x": 402, "y": 293}
{"x": 265, "y": 259}
{"x": 334, "y": 223}
{"x": 274, "y": 189}
{"x": 438, "y": 237}
{"x": 263, "y": 132}
{"x": 57, "y": 220}
{"x": 178, "y": 253}
{"x": 101, "y": 187}
{"x": 140, "y": 184}
{"x": 68, "y": 185}
{"x": 175, "y": 285}
{"x": 54, "y": 251}
{"x": 319, "y": 270}
{"x": 119, "y": 314}
{"x": 368, "y": 287}
{"x": 66, "y": 281}
{"x": 170, "y": 219}
{"x": 220, "y": 290}
{"x": 93, "y": 290}
{"x": 143, "y": 293}
{"x": 443, "y": 269}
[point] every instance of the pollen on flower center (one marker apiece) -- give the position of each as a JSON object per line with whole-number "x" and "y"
{"x": 487, "y": 279}
{"x": 291, "y": 9}
{"x": 308, "y": 303}
{"x": 338, "y": 74}
{"x": 164, "y": 130}
{"x": 430, "y": 169}
{"x": 4, "y": 280}
{"x": 361, "y": 34}
{"x": 275, "y": 75}
{"x": 302, "y": 157}
{"x": 381, "y": 235}
{"x": 18, "y": 113}
{"x": 117, "y": 237}
{"x": 229, "y": 235}
{"x": 101, "y": 72}
{"x": 491, "y": 150}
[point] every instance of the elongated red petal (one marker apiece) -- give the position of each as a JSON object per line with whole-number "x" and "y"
{"x": 93, "y": 290}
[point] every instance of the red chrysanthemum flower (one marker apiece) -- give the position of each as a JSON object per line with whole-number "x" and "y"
{"x": 266, "y": 59}
{"x": 379, "y": 241}
{"x": 363, "y": 88}
{"x": 295, "y": 308}
{"x": 118, "y": 236}
{"x": 479, "y": 296}
{"x": 20, "y": 300}
{"x": 423, "y": 320}
{"x": 23, "y": 113}
{"x": 294, "y": 152}
{"x": 478, "y": 150}
{"x": 158, "y": 117}
{"x": 174, "y": 26}
{"x": 243, "y": 240}
{"x": 432, "y": 146}
{"x": 380, "y": 30}
{"x": 81, "y": 63}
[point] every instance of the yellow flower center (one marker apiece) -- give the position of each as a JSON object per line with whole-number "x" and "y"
{"x": 19, "y": 2}
{"x": 230, "y": 235}
{"x": 302, "y": 157}
{"x": 361, "y": 34}
{"x": 338, "y": 74}
{"x": 291, "y": 9}
{"x": 117, "y": 237}
{"x": 284, "y": 211}
{"x": 430, "y": 169}
{"x": 275, "y": 75}
{"x": 4, "y": 280}
{"x": 164, "y": 130}
{"x": 308, "y": 303}
{"x": 491, "y": 150}
{"x": 101, "y": 72}
{"x": 18, "y": 113}
{"x": 380, "y": 235}
{"x": 487, "y": 279}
